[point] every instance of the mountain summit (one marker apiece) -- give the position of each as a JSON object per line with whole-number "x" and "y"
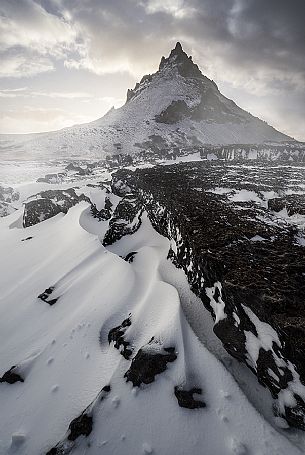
{"x": 176, "y": 107}
{"x": 185, "y": 65}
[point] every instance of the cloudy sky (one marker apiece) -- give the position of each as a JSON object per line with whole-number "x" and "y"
{"x": 68, "y": 61}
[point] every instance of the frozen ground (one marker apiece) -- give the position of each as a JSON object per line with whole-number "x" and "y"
{"x": 63, "y": 354}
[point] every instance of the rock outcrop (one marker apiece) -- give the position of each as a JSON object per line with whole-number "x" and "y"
{"x": 117, "y": 337}
{"x": 244, "y": 260}
{"x": 186, "y": 398}
{"x": 151, "y": 360}
{"x": 11, "y": 376}
{"x": 126, "y": 218}
{"x": 49, "y": 203}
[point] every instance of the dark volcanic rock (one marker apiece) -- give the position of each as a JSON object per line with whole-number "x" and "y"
{"x": 120, "y": 188}
{"x": 48, "y": 204}
{"x": 103, "y": 214}
{"x": 209, "y": 108}
{"x": 106, "y": 388}
{"x": 150, "y": 360}
{"x": 82, "y": 425}
{"x": 116, "y": 336}
{"x": 186, "y": 400}
{"x": 294, "y": 203}
{"x": 39, "y": 210}
{"x": 11, "y": 376}
{"x": 185, "y": 65}
{"x": 244, "y": 261}
{"x": 175, "y": 112}
{"x": 130, "y": 256}
{"x": 126, "y": 220}
{"x": 212, "y": 109}
{"x": 45, "y": 296}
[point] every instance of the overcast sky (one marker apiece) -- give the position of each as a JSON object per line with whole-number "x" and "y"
{"x": 68, "y": 61}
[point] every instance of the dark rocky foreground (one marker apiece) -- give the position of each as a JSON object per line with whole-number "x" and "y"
{"x": 243, "y": 255}
{"x": 47, "y": 204}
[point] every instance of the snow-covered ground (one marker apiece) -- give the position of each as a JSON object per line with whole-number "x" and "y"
{"x": 63, "y": 354}
{"x": 13, "y": 172}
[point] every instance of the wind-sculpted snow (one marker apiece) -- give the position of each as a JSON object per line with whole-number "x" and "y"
{"x": 81, "y": 426}
{"x": 175, "y": 392}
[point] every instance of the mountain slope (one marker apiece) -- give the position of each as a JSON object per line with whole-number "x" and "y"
{"x": 175, "y": 107}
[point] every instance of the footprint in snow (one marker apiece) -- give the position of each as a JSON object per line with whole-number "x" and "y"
{"x": 115, "y": 401}
{"x": 18, "y": 439}
{"x": 238, "y": 448}
{"x": 147, "y": 449}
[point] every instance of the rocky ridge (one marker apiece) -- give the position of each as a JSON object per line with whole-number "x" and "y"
{"x": 243, "y": 256}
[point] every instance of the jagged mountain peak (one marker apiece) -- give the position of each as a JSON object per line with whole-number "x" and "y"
{"x": 177, "y": 63}
{"x": 178, "y": 47}
{"x": 177, "y": 55}
{"x": 182, "y": 61}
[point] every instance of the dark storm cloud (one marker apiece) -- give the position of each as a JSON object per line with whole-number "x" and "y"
{"x": 263, "y": 39}
{"x": 268, "y": 34}
{"x": 114, "y": 34}
{"x": 257, "y": 46}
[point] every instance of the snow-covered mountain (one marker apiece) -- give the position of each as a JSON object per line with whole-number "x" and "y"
{"x": 176, "y": 107}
